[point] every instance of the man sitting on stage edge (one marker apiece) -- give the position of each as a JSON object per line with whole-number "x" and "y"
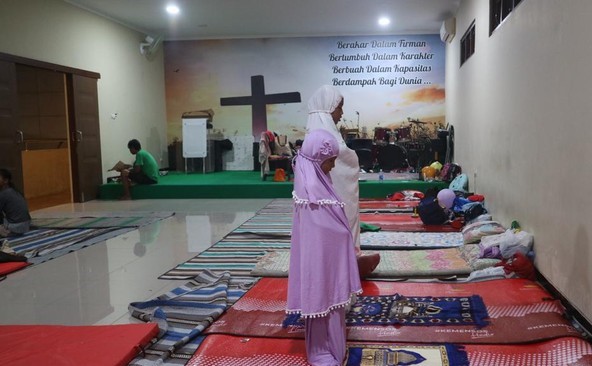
{"x": 144, "y": 170}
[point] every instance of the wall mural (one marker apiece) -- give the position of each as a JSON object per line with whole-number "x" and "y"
{"x": 390, "y": 84}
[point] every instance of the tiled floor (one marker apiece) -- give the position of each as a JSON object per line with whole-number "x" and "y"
{"x": 95, "y": 285}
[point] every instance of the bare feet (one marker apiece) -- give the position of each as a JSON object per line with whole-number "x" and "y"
{"x": 367, "y": 263}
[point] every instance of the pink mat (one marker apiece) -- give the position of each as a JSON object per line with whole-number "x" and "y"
{"x": 402, "y": 222}
{"x": 223, "y": 350}
{"x": 520, "y": 312}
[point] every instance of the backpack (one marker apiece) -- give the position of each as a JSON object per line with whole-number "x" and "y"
{"x": 450, "y": 171}
{"x": 473, "y": 210}
{"x": 460, "y": 183}
{"x": 430, "y": 212}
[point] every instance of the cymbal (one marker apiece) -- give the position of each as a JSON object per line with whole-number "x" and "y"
{"x": 416, "y": 121}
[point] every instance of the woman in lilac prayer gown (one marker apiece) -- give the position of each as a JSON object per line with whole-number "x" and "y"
{"x": 323, "y": 268}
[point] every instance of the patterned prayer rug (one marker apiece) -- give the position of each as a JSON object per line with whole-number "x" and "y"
{"x": 519, "y": 311}
{"x": 384, "y": 355}
{"x": 86, "y": 220}
{"x": 409, "y": 240}
{"x": 183, "y": 313}
{"x": 428, "y": 263}
{"x": 224, "y": 350}
{"x": 41, "y": 245}
{"x": 401, "y": 310}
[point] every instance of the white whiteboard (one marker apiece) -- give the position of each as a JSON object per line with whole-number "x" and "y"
{"x": 195, "y": 144}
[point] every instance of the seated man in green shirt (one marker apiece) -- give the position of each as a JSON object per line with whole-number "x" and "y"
{"x": 144, "y": 170}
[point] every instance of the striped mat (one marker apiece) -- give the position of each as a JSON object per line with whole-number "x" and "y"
{"x": 98, "y": 219}
{"x": 41, "y": 245}
{"x": 183, "y": 313}
{"x": 278, "y": 205}
{"x": 238, "y": 257}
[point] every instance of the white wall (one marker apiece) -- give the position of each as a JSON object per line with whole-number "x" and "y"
{"x": 521, "y": 109}
{"x": 130, "y": 85}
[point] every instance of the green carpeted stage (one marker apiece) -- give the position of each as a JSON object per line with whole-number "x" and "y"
{"x": 244, "y": 184}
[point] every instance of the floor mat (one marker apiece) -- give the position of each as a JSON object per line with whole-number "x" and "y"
{"x": 223, "y": 350}
{"x": 41, "y": 245}
{"x": 432, "y": 263}
{"x": 409, "y": 240}
{"x": 402, "y": 222}
{"x": 78, "y": 220}
{"x": 73, "y": 345}
{"x": 241, "y": 249}
{"x": 410, "y": 311}
{"x": 9, "y": 267}
{"x": 234, "y": 255}
{"x": 520, "y": 311}
{"x": 278, "y": 205}
{"x": 184, "y": 312}
{"x": 386, "y": 204}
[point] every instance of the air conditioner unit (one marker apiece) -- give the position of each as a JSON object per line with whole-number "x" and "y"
{"x": 448, "y": 30}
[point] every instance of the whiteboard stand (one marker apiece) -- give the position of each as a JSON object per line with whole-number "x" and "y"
{"x": 195, "y": 143}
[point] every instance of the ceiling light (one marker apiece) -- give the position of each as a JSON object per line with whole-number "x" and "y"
{"x": 384, "y": 21}
{"x": 172, "y": 9}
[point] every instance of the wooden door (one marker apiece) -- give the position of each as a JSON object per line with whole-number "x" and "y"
{"x": 11, "y": 136}
{"x": 83, "y": 105}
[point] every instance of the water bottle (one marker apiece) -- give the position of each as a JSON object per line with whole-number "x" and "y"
{"x": 380, "y": 176}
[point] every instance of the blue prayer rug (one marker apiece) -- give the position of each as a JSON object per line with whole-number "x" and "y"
{"x": 401, "y": 310}
{"x": 383, "y": 355}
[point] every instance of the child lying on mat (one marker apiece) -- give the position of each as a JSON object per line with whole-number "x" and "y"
{"x": 323, "y": 273}
{"x": 13, "y": 208}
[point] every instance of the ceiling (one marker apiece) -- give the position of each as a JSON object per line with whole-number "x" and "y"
{"x": 214, "y": 19}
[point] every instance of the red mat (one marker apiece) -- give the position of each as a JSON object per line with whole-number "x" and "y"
{"x": 520, "y": 310}
{"x": 383, "y": 204}
{"x": 402, "y": 222}
{"x": 9, "y": 267}
{"x": 223, "y": 350}
{"x": 58, "y": 345}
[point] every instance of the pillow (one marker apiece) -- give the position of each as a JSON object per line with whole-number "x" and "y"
{"x": 474, "y": 232}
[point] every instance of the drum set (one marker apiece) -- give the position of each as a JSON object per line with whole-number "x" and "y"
{"x": 401, "y": 148}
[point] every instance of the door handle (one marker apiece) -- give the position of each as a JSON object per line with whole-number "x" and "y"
{"x": 20, "y": 137}
{"x": 77, "y": 136}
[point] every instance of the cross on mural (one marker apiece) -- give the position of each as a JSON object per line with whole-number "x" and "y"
{"x": 258, "y": 101}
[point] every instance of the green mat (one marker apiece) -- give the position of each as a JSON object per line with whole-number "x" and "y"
{"x": 243, "y": 184}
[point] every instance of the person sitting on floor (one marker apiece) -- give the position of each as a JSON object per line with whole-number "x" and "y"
{"x": 13, "y": 208}
{"x": 144, "y": 170}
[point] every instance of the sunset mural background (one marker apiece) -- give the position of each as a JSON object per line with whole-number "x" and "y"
{"x": 199, "y": 73}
